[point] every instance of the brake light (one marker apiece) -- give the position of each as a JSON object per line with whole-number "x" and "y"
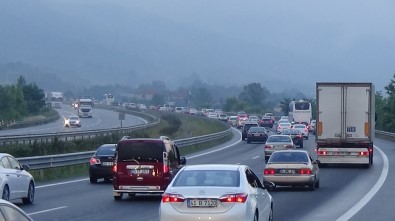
{"x": 370, "y": 149}
{"x": 172, "y": 198}
{"x": 279, "y": 127}
{"x": 165, "y": 169}
{"x": 269, "y": 171}
{"x": 306, "y": 130}
{"x": 321, "y": 152}
{"x": 364, "y": 153}
{"x": 305, "y": 171}
{"x": 94, "y": 161}
{"x": 115, "y": 168}
{"x": 268, "y": 146}
{"x": 233, "y": 198}
{"x": 299, "y": 135}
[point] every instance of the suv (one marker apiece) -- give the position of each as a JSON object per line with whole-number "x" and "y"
{"x": 246, "y": 127}
{"x": 266, "y": 121}
{"x": 145, "y": 165}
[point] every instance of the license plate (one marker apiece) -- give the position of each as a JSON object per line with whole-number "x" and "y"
{"x": 107, "y": 163}
{"x": 287, "y": 171}
{"x": 140, "y": 171}
{"x": 202, "y": 203}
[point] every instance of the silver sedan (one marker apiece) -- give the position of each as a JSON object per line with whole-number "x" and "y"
{"x": 278, "y": 142}
{"x": 216, "y": 192}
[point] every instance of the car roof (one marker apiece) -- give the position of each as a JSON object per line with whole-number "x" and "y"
{"x": 234, "y": 167}
{"x": 287, "y": 151}
{"x": 4, "y": 154}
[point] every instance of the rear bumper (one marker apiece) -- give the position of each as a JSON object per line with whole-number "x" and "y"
{"x": 290, "y": 180}
{"x": 100, "y": 172}
{"x": 343, "y": 159}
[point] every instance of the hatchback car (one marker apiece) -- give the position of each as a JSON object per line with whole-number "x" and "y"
{"x": 15, "y": 181}
{"x": 218, "y": 192}
{"x": 11, "y": 212}
{"x": 101, "y": 163}
{"x": 144, "y": 165}
{"x": 72, "y": 121}
{"x": 303, "y": 130}
{"x": 257, "y": 134}
{"x": 296, "y": 136}
{"x": 278, "y": 142}
{"x": 292, "y": 168}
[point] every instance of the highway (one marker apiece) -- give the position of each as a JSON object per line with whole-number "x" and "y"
{"x": 345, "y": 193}
{"x": 101, "y": 119}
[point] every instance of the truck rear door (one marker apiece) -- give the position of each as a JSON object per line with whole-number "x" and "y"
{"x": 329, "y": 125}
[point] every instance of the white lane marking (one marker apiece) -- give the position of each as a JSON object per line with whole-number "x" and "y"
{"x": 213, "y": 151}
{"x": 361, "y": 203}
{"x": 61, "y": 183}
{"x": 255, "y": 157}
{"x": 47, "y": 210}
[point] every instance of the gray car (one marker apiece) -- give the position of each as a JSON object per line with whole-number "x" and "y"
{"x": 278, "y": 142}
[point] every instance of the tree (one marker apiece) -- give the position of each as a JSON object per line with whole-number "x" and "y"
{"x": 388, "y": 114}
{"x": 254, "y": 94}
{"x": 158, "y": 99}
{"x": 284, "y": 105}
{"x": 202, "y": 97}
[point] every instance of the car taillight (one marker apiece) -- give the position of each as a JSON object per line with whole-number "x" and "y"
{"x": 268, "y": 146}
{"x": 305, "y": 171}
{"x": 279, "y": 127}
{"x": 172, "y": 198}
{"x": 165, "y": 169}
{"x": 269, "y": 171}
{"x": 321, "y": 152}
{"x": 115, "y": 168}
{"x": 364, "y": 153}
{"x": 306, "y": 130}
{"x": 299, "y": 135}
{"x": 234, "y": 198}
{"x": 94, "y": 161}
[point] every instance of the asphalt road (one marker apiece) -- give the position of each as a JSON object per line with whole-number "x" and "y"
{"x": 345, "y": 192}
{"x": 101, "y": 119}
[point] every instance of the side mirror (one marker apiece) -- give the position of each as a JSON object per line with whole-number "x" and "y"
{"x": 25, "y": 167}
{"x": 183, "y": 161}
{"x": 269, "y": 185}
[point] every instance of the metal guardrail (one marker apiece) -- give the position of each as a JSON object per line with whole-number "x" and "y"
{"x": 385, "y": 135}
{"x": 50, "y": 161}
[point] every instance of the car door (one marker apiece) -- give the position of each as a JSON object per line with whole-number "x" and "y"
{"x": 22, "y": 177}
{"x": 12, "y": 179}
{"x": 259, "y": 193}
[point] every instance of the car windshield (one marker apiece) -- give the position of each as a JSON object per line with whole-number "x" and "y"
{"x": 224, "y": 178}
{"x": 279, "y": 139}
{"x": 288, "y": 157}
{"x": 140, "y": 151}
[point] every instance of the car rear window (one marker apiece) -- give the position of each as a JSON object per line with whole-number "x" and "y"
{"x": 279, "y": 139}
{"x": 208, "y": 178}
{"x": 296, "y": 157}
{"x": 106, "y": 150}
{"x": 140, "y": 151}
{"x": 257, "y": 129}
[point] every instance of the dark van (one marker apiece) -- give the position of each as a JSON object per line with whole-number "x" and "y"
{"x": 145, "y": 165}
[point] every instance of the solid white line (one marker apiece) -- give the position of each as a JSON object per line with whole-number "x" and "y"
{"x": 62, "y": 183}
{"x": 361, "y": 203}
{"x": 213, "y": 151}
{"x": 255, "y": 157}
{"x": 47, "y": 210}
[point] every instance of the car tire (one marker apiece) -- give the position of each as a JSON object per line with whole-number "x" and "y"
{"x": 6, "y": 193}
{"x": 248, "y": 141}
{"x": 118, "y": 198}
{"x": 271, "y": 213}
{"x": 30, "y": 194}
{"x": 107, "y": 180}
{"x": 317, "y": 184}
{"x": 307, "y": 137}
{"x": 301, "y": 145}
{"x": 93, "y": 179}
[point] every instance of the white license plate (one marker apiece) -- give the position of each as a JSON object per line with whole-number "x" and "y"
{"x": 107, "y": 163}
{"x": 287, "y": 171}
{"x": 140, "y": 171}
{"x": 202, "y": 203}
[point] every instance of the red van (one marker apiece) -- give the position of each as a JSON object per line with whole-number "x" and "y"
{"x": 145, "y": 165}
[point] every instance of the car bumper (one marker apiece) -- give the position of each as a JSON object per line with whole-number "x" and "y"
{"x": 257, "y": 138}
{"x": 284, "y": 180}
{"x": 100, "y": 172}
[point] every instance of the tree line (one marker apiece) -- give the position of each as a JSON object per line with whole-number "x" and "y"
{"x": 20, "y": 100}
{"x": 385, "y": 108}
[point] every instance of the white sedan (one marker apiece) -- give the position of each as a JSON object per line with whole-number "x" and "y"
{"x": 218, "y": 192}
{"x": 15, "y": 181}
{"x": 303, "y": 130}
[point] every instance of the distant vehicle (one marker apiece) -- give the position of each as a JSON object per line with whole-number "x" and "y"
{"x": 144, "y": 165}
{"x": 101, "y": 163}
{"x": 72, "y": 121}
{"x": 85, "y": 107}
{"x": 218, "y": 111}
{"x": 15, "y": 181}
{"x": 345, "y": 123}
{"x": 257, "y": 134}
{"x": 278, "y": 142}
{"x": 300, "y": 112}
{"x": 11, "y": 212}
{"x": 303, "y": 129}
{"x": 266, "y": 121}
{"x": 312, "y": 126}
{"x": 212, "y": 115}
{"x": 192, "y": 111}
{"x": 178, "y": 109}
{"x": 292, "y": 168}
{"x": 283, "y": 126}
{"x": 296, "y": 136}
{"x": 108, "y": 99}
{"x": 253, "y": 118}
{"x": 247, "y": 125}
{"x": 142, "y": 107}
{"x": 232, "y": 120}
{"x": 219, "y": 192}
{"x": 223, "y": 117}
{"x": 284, "y": 118}
{"x": 242, "y": 118}
{"x": 55, "y": 99}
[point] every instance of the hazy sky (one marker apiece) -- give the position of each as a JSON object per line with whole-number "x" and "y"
{"x": 282, "y": 44}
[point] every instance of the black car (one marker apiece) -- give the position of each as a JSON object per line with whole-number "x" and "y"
{"x": 296, "y": 136}
{"x": 257, "y": 134}
{"x": 246, "y": 127}
{"x": 266, "y": 121}
{"x": 101, "y": 163}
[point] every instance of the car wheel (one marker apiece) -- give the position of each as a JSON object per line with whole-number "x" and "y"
{"x": 248, "y": 141}
{"x": 6, "y": 193}
{"x": 118, "y": 197}
{"x": 307, "y": 137}
{"x": 301, "y": 145}
{"x": 312, "y": 185}
{"x": 93, "y": 179}
{"x": 30, "y": 194}
{"x": 107, "y": 180}
{"x": 317, "y": 184}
